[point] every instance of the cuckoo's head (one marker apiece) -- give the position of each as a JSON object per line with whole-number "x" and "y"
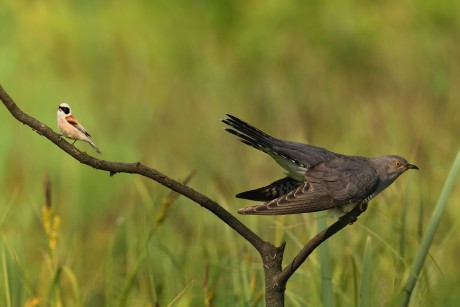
{"x": 390, "y": 167}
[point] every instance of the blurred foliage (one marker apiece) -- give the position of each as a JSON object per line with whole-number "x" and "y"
{"x": 150, "y": 80}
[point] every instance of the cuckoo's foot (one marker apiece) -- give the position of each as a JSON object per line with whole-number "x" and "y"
{"x": 362, "y": 206}
{"x": 353, "y": 219}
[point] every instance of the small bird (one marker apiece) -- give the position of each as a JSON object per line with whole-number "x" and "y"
{"x": 317, "y": 179}
{"x": 71, "y": 128}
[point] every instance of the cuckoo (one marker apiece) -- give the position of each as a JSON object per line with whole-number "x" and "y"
{"x": 316, "y": 179}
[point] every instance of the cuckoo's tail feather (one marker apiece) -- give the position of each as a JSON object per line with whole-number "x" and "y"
{"x": 248, "y": 134}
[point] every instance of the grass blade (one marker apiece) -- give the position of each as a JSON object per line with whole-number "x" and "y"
{"x": 54, "y": 296}
{"x": 365, "y": 283}
{"x": 131, "y": 281}
{"x": 431, "y": 230}
{"x": 73, "y": 283}
{"x": 325, "y": 260}
{"x": 179, "y": 296}
{"x": 5, "y": 277}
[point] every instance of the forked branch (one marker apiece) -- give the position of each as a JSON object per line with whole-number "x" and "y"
{"x": 276, "y": 278}
{"x": 316, "y": 241}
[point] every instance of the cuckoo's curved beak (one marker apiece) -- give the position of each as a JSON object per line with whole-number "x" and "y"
{"x": 412, "y": 166}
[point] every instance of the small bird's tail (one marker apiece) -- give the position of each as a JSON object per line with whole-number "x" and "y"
{"x": 94, "y": 146}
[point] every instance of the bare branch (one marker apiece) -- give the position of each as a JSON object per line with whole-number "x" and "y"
{"x": 134, "y": 168}
{"x": 347, "y": 219}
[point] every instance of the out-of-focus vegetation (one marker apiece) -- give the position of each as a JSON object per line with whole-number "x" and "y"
{"x": 150, "y": 80}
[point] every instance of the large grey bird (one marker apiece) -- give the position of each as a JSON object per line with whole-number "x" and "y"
{"x": 317, "y": 179}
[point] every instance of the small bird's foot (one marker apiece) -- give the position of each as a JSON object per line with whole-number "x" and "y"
{"x": 74, "y": 142}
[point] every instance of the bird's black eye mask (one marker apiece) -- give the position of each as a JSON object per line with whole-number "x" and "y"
{"x": 66, "y": 110}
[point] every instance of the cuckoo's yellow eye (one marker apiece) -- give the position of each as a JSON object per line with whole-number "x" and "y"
{"x": 397, "y": 163}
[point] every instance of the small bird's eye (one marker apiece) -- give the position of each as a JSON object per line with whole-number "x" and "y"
{"x": 398, "y": 163}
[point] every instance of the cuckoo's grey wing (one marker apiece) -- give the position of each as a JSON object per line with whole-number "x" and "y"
{"x": 271, "y": 191}
{"x": 303, "y": 154}
{"x": 329, "y": 184}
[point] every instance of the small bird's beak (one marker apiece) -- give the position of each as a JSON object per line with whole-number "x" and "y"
{"x": 412, "y": 166}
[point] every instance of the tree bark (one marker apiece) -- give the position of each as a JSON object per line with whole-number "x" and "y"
{"x": 272, "y": 261}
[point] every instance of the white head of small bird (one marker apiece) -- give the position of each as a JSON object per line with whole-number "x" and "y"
{"x": 64, "y": 110}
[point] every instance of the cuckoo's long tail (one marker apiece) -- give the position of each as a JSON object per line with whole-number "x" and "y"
{"x": 250, "y": 135}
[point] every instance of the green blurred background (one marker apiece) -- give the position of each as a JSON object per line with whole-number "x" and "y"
{"x": 151, "y": 81}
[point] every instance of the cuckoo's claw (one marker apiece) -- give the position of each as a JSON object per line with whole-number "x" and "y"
{"x": 353, "y": 219}
{"x": 362, "y": 206}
